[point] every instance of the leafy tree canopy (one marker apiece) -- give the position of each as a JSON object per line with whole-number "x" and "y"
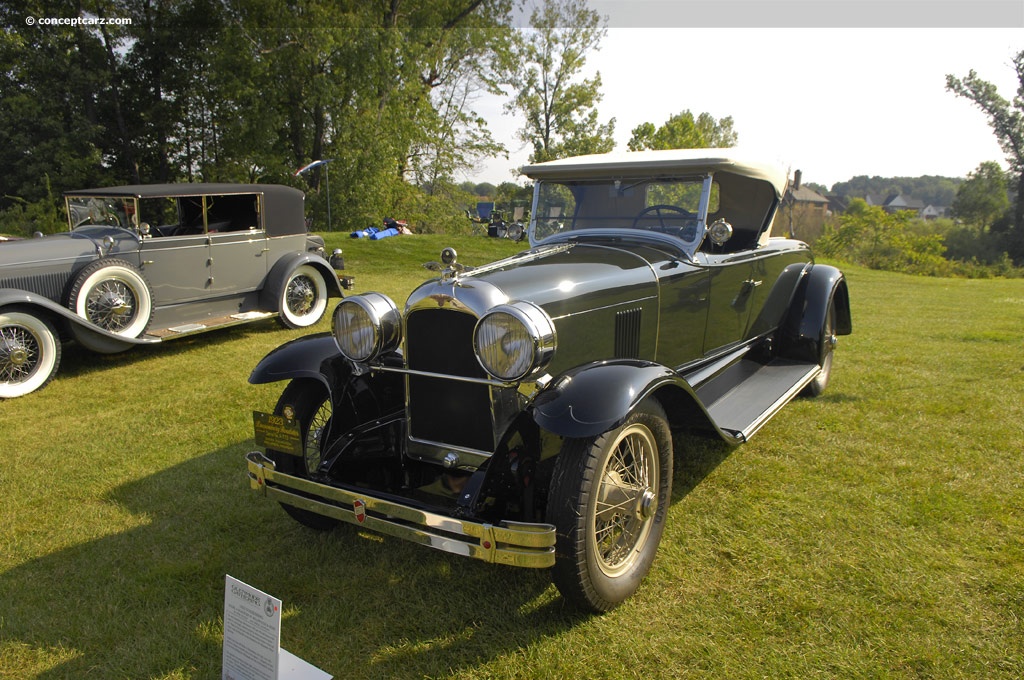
{"x": 543, "y": 68}
{"x": 683, "y": 131}
{"x": 982, "y": 198}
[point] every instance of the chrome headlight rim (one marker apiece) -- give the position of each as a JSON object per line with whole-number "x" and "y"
{"x": 540, "y": 332}
{"x": 382, "y": 330}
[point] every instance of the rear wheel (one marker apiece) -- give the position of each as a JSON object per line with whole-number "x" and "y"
{"x": 29, "y": 353}
{"x": 826, "y": 349}
{"x": 608, "y": 500}
{"x": 309, "y": 402}
{"x": 304, "y": 298}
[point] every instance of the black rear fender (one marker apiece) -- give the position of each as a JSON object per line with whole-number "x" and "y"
{"x": 801, "y": 332}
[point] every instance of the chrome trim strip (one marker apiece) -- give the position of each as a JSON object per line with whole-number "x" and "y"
{"x": 445, "y": 376}
{"x": 517, "y": 544}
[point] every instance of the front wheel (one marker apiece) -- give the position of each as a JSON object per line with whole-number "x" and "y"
{"x": 304, "y": 298}
{"x": 309, "y": 402}
{"x": 29, "y": 353}
{"x": 608, "y": 501}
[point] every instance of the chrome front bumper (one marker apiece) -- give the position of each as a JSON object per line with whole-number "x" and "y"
{"x": 517, "y": 544}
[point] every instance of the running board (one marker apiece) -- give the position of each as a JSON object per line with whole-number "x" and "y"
{"x": 744, "y": 397}
{"x": 186, "y": 329}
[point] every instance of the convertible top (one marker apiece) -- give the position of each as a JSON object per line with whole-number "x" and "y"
{"x": 284, "y": 205}
{"x": 652, "y": 163}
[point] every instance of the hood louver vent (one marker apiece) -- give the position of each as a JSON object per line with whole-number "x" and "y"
{"x": 627, "y": 334}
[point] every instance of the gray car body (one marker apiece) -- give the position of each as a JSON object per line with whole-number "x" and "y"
{"x": 197, "y": 281}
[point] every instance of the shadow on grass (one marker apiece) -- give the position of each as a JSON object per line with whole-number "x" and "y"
{"x": 77, "y": 360}
{"x": 696, "y": 457}
{"x": 148, "y": 601}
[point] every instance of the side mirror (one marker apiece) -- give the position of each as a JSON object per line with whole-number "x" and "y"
{"x": 144, "y": 229}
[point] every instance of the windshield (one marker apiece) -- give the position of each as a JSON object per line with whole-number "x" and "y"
{"x": 111, "y": 211}
{"x": 671, "y": 206}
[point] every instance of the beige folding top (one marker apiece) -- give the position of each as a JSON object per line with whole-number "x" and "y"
{"x": 638, "y": 164}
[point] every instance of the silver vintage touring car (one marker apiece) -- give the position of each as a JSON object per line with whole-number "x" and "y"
{"x": 143, "y": 264}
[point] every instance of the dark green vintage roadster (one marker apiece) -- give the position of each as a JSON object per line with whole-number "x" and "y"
{"x": 522, "y": 412}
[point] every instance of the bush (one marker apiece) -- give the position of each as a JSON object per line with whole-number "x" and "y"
{"x": 897, "y": 242}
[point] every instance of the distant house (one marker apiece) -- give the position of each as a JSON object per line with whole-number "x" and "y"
{"x": 897, "y": 202}
{"x": 933, "y": 212}
{"x": 803, "y": 214}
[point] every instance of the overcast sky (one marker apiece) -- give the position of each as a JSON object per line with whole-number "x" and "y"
{"x": 833, "y": 102}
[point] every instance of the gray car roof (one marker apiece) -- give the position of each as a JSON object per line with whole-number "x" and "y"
{"x": 285, "y": 206}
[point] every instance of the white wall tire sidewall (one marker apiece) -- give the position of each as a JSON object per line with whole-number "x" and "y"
{"x": 48, "y": 349}
{"x": 129, "y": 277}
{"x": 320, "y": 306}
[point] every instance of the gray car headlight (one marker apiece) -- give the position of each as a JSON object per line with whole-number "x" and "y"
{"x": 365, "y": 326}
{"x": 515, "y": 340}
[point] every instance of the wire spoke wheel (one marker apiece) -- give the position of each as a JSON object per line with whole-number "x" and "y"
{"x": 625, "y": 501}
{"x": 304, "y": 298}
{"x": 608, "y": 501}
{"x": 29, "y": 353}
{"x": 111, "y": 305}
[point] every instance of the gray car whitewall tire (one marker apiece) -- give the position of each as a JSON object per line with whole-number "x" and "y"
{"x": 608, "y": 501}
{"x": 29, "y": 353}
{"x": 113, "y": 295}
{"x": 303, "y": 297}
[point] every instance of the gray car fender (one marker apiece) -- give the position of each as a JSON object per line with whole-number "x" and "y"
{"x": 282, "y": 269}
{"x": 47, "y": 308}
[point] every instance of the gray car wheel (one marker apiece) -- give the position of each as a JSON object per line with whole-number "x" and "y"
{"x": 114, "y": 295}
{"x": 608, "y": 500}
{"x": 29, "y": 353}
{"x": 304, "y": 297}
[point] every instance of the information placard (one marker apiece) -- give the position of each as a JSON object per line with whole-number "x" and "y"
{"x": 252, "y": 638}
{"x": 252, "y": 632}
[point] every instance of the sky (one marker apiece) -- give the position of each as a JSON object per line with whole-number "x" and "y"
{"x": 833, "y": 102}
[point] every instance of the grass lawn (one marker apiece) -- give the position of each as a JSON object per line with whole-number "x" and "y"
{"x": 875, "y": 532}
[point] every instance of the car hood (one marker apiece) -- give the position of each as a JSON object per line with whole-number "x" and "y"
{"x": 563, "y": 278}
{"x": 83, "y": 242}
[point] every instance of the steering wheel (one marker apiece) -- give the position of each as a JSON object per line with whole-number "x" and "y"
{"x": 657, "y": 209}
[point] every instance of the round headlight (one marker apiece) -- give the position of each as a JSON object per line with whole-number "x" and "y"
{"x": 365, "y": 326}
{"x": 512, "y": 341}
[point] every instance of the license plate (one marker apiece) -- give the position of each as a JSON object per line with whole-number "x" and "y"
{"x": 277, "y": 433}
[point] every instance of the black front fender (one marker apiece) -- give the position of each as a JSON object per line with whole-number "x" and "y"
{"x": 591, "y": 399}
{"x": 307, "y": 357}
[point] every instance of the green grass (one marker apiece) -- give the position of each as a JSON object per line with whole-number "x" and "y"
{"x": 875, "y": 532}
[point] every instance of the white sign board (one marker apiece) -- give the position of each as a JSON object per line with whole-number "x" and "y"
{"x": 252, "y": 638}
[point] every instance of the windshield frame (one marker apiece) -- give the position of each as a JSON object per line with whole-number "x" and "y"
{"x": 539, "y": 213}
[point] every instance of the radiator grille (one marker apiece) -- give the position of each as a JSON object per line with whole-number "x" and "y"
{"x": 50, "y": 285}
{"x": 440, "y": 409}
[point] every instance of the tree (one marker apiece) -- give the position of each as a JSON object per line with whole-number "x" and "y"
{"x": 683, "y": 131}
{"x": 1007, "y": 122}
{"x": 982, "y": 198}
{"x": 561, "y": 114}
